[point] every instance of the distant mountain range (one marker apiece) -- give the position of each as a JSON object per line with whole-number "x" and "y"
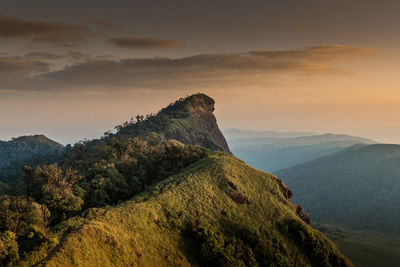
{"x": 234, "y": 133}
{"x": 274, "y": 153}
{"x": 357, "y": 187}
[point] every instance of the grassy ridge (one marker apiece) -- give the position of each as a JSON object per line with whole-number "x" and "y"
{"x": 184, "y": 218}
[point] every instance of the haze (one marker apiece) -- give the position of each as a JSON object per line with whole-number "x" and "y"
{"x": 72, "y": 70}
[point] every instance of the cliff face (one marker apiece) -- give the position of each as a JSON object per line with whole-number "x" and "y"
{"x": 189, "y": 120}
{"x": 199, "y": 126}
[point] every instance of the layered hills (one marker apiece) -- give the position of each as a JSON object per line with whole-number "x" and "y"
{"x": 235, "y": 134}
{"x": 162, "y": 191}
{"x": 357, "y": 187}
{"x": 273, "y": 153}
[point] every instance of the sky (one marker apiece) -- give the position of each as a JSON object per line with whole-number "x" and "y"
{"x": 75, "y": 69}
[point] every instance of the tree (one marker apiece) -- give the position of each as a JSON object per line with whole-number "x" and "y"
{"x": 8, "y": 248}
{"x": 56, "y": 188}
{"x": 20, "y": 214}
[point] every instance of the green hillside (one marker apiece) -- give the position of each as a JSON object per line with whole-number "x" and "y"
{"x": 356, "y": 188}
{"x": 218, "y": 212}
{"x": 275, "y": 153}
{"x": 26, "y": 146}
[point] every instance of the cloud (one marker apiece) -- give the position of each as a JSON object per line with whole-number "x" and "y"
{"x": 326, "y": 54}
{"x": 143, "y": 43}
{"x": 76, "y": 55}
{"x": 103, "y": 23}
{"x": 44, "y": 56}
{"x": 200, "y": 70}
{"x": 14, "y": 71}
{"x": 53, "y": 32}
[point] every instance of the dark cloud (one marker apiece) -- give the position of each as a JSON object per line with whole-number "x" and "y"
{"x": 70, "y": 55}
{"x": 103, "y": 23}
{"x": 76, "y": 55}
{"x": 15, "y": 71}
{"x": 327, "y": 53}
{"x": 84, "y": 57}
{"x": 200, "y": 70}
{"x": 143, "y": 43}
{"x": 44, "y": 56}
{"x": 53, "y": 32}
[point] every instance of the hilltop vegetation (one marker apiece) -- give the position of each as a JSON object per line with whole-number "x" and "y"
{"x": 357, "y": 187}
{"x": 88, "y": 176}
{"x": 218, "y": 212}
{"x": 13, "y": 171}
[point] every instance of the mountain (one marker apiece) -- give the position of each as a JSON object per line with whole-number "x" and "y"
{"x": 138, "y": 198}
{"x": 357, "y": 188}
{"x": 234, "y": 133}
{"x": 217, "y": 212}
{"x": 273, "y": 153}
{"x": 189, "y": 120}
{"x": 26, "y": 146}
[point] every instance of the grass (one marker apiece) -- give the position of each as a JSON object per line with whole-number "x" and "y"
{"x": 365, "y": 249}
{"x": 156, "y": 227}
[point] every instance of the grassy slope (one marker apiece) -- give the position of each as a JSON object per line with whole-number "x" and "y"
{"x": 357, "y": 187}
{"x": 365, "y": 249}
{"x": 148, "y": 230}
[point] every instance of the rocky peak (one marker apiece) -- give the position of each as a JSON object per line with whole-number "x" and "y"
{"x": 200, "y": 102}
{"x": 189, "y": 120}
{"x": 194, "y": 104}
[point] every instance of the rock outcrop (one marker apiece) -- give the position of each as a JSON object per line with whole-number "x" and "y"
{"x": 189, "y": 120}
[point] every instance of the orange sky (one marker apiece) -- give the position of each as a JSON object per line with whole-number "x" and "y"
{"x": 280, "y": 67}
{"x": 363, "y": 100}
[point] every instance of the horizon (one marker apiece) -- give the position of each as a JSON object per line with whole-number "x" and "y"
{"x": 70, "y": 73}
{"x": 95, "y": 135}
